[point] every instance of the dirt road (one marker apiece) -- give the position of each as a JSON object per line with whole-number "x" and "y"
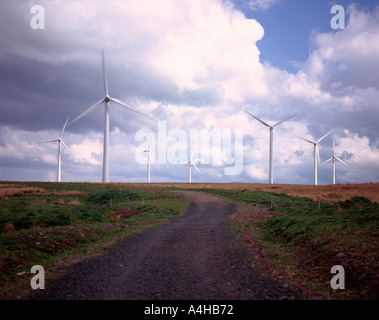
{"x": 194, "y": 257}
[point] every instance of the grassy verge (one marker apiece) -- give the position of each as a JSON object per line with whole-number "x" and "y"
{"x": 303, "y": 239}
{"x": 53, "y": 225}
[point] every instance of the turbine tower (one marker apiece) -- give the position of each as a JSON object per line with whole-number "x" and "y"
{"x": 333, "y": 159}
{"x": 190, "y": 163}
{"x": 148, "y": 151}
{"x": 271, "y": 128}
{"x": 106, "y": 101}
{"x": 60, "y": 141}
{"x": 316, "y": 152}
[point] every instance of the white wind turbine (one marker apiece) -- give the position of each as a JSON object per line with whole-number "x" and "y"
{"x": 271, "y": 128}
{"x": 333, "y": 159}
{"x": 190, "y": 163}
{"x": 106, "y": 100}
{"x": 148, "y": 151}
{"x": 316, "y": 152}
{"x": 60, "y": 141}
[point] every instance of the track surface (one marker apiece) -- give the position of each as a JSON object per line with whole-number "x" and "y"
{"x": 194, "y": 257}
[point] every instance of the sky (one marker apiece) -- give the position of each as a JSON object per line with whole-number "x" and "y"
{"x": 196, "y": 68}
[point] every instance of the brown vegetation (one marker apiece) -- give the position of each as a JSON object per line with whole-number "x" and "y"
{"x": 62, "y": 202}
{"x": 15, "y": 190}
{"x": 324, "y": 193}
{"x": 120, "y": 213}
{"x": 9, "y": 190}
{"x": 65, "y": 193}
{"x": 9, "y": 228}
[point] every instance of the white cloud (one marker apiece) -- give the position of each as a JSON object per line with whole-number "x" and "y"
{"x": 262, "y": 4}
{"x": 197, "y": 44}
{"x": 347, "y": 57}
{"x": 88, "y": 152}
{"x": 196, "y": 65}
{"x": 256, "y": 172}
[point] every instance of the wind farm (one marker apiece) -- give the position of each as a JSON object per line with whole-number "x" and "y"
{"x": 184, "y": 151}
{"x": 191, "y": 162}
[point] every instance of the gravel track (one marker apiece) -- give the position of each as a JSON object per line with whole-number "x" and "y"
{"x": 194, "y": 257}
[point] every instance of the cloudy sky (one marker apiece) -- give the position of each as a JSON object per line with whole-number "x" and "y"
{"x": 195, "y": 67}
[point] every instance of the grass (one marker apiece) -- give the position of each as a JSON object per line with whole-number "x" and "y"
{"x": 309, "y": 237}
{"x": 41, "y": 223}
{"x": 52, "y": 224}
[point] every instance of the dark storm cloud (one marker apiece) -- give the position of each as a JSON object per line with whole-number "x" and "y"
{"x": 173, "y": 71}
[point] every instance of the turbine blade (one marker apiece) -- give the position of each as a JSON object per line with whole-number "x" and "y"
{"x": 330, "y": 159}
{"x": 334, "y": 148}
{"x": 310, "y": 141}
{"x": 130, "y": 108}
{"x": 325, "y": 136}
{"x": 195, "y": 167}
{"x": 318, "y": 154}
{"x": 64, "y": 127}
{"x": 342, "y": 161}
{"x": 47, "y": 141}
{"x": 193, "y": 152}
{"x": 183, "y": 162}
{"x": 105, "y": 82}
{"x": 90, "y": 109}
{"x": 65, "y": 146}
{"x": 153, "y": 154}
{"x": 284, "y": 120}
{"x": 261, "y": 121}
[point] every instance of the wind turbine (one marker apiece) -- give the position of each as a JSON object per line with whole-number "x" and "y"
{"x": 333, "y": 159}
{"x": 106, "y": 100}
{"x": 271, "y": 128}
{"x": 60, "y": 141}
{"x": 316, "y": 152}
{"x": 190, "y": 162}
{"x": 148, "y": 151}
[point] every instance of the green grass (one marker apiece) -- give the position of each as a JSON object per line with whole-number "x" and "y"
{"x": 301, "y": 215}
{"x": 70, "y": 217}
{"x": 94, "y": 206}
{"x": 320, "y": 235}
